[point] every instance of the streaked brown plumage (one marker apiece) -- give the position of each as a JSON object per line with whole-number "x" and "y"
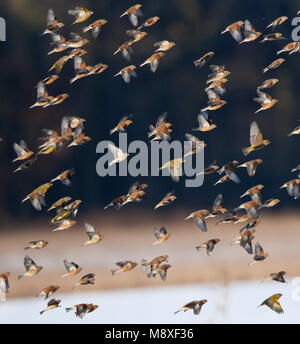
{"x": 122, "y": 125}
{"x": 235, "y": 30}
{"x": 127, "y": 73}
{"x": 161, "y": 235}
{"x": 292, "y": 187}
{"x": 194, "y": 305}
{"x": 124, "y": 266}
{"x": 85, "y": 280}
{"x": 31, "y": 268}
{"x": 167, "y": 199}
{"x": 48, "y": 291}
{"x": 37, "y": 244}
{"x": 209, "y": 245}
{"x": 65, "y": 177}
{"x": 199, "y": 218}
{"x": 202, "y": 60}
{"x": 93, "y": 236}
{"x": 259, "y": 255}
{"x": 72, "y": 268}
{"x": 53, "y": 303}
{"x": 82, "y": 309}
{"x": 154, "y": 263}
{"x": 251, "y": 166}
{"x": 95, "y": 27}
{"x": 133, "y": 13}
{"x": 22, "y": 150}
{"x": 274, "y": 64}
{"x": 153, "y": 61}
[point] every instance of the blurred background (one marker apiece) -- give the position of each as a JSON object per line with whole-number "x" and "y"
{"x": 178, "y": 88}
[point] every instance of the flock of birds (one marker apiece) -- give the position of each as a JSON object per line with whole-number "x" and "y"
{"x": 72, "y": 133}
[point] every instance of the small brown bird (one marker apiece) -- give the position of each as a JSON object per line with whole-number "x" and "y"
{"x": 4, "y": 285}
{"x": 37, "y": 244}
{"x": 295, "y": 131}
{"x": 64, "y": 224}
{"x": 133, "y": 13}
{"x": 259, "y": 255}
{"x": 85, "y": 280}
{"x": 118, "y": 154}
{"x": 250, "y": 225}
{"x": 153, "y": 61}
{"x": 154, "y": 263}
{"x": 37, "y": 196}
{"x": 265, "y": 100}
{"x": 163, "y": 45}
{"x": 297, "y": 168}
{"x": 235, "y": 30}
{"x": 79, "y": 139}
{"x": 42, "y": 96}
{"x": 245, "y": 240}
{"x": 76, "y": 41}
{"x": 267, "y": 84}
{"x": 274, "y": 64}
{"x": 117, "y": 202}
{"x": 254, "y": 192}
{"x": 57, "y": 100}
{"x": 272, "y": 37}
{"x": 217, "y": 207}
{"x": 72, "y": 268}
{"x": 48, "y": 291}
{"x": 251, "y": 166}
{"x": 209, "y": 245}
{"x": 199, "y": 218}
{"x": 174, "y": 167}
{"x": 168, "y": 198}
{"x": 135, "y": 36}
{"x": 161, "y": 270}
{"x": 53, "y": 303}
{"x": 276, "y": 276}
{"x": 202, "y": 60}
{"x": 214, "y": 101}
{"x": 194, "y": 305}
{"x": 93, "y": 236}
{"x": 126, "y": 50}
{"x": 273, "y": 303}
{"x": 288, "y": 47}
{"x": 81, "y": 14}
{"x": 224, "y": 179}
{"x": 124, "y": 266}
{"x": 26, "y": 164}
{"x": 229, "y": 170}
{"x": 251, "y": 208}
{"x": 250, "y": 33}
{"x": 205, "y": 122}
{"x": 292, "y": 187}
{"x": 270, "y": 203}
{"x": 80, "y": 68}
{"x": 73, "y": 207}
{"x": 31, "y": 268}
{"x": 22, "y": 150}
{"x": 277, "y": 22}
{"x": 218, "y": 86}
{"x": 123, "y": 124}
{"x": 256, "y": 140}
{"x": 61, "y": 203}
{"x": 127, "y": 73}
{"x": 161, "y": 235}
{"x": 196, "y": 145}
{"x": 59, "y": 42}
{"x": 50, "y": 79}
{"x": 82, "y": 309}
{"x": 95, "y": 27}
{"x": 161, "y": 130}
{"x": 135, "y": 193}
{"x": 65, "y": 177}
{"x": 210, "y": 169}
{"x": 149, "y": 22}
{"x": 52, "y": 23}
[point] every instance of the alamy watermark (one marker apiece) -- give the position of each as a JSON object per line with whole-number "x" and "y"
{"x": 2, "y": 30}
{"x": 186, "y": 161}
{"x": 296, "y": 30}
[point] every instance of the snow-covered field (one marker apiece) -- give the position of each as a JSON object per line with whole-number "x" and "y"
{"x": 233, "y": 303}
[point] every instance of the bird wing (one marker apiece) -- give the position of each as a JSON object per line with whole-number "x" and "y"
{"x": 29, "y": 263}
{"x": 255, "y": 134}
{"x": 50, "y": 17}
{"x": 217, "y": 202}
{"x": 4, "y": 285}
{"x": 115, "y": 150}
{"x": 90, "y": 230}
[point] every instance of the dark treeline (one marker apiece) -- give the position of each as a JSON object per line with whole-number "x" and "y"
{"x": 177, "y": 87}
